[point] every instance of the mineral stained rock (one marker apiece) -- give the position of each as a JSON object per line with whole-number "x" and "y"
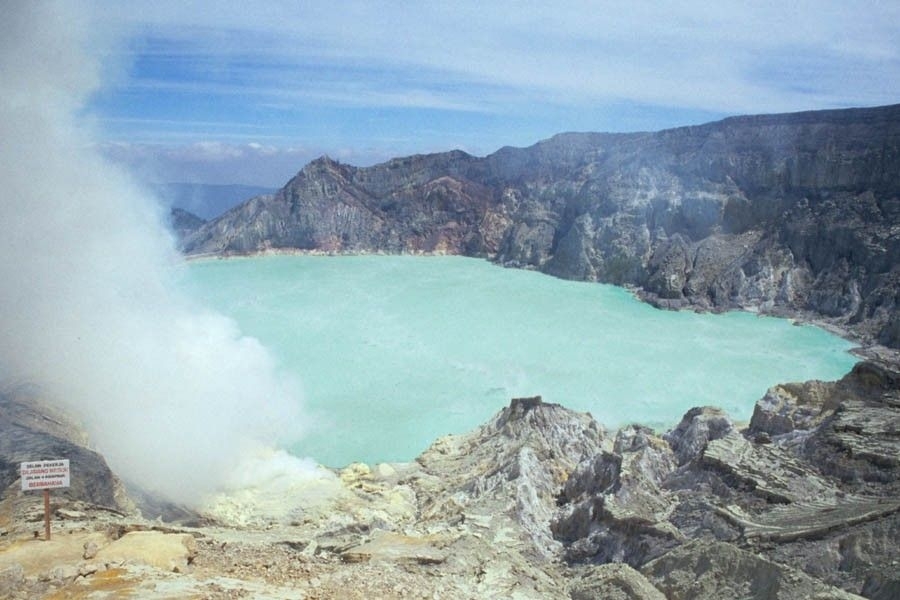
{"x": 540, "y": 502}
{"x": 793, "y": 214}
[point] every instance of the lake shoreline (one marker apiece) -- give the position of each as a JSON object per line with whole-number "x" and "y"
{"x": 591, "y": 347}
{"x": 863, "y": 349}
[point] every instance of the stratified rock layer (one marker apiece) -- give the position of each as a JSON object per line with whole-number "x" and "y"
{"x": 791, "y": 214}
{"x": 807, "y": 495}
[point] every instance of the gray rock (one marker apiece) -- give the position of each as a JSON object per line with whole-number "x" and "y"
{"x": 617, "y": 508}
{"x": 790, "y": 214}
{"x": 31, "y": 430}
{"x": 614, "y": 581}
{"x": 791, "y": 406}
{"x": 765, "y": 470}
{"x": 859, "y": 441}
{"x": 819, "y": 497}
{"x": 513, "y": 466}
{"x": 882, "y": 586}
{"x": 699, "y": 570}
{"x": 90, "y": 550}
{"x": 697, "y": 428}
{"x": 540, "y": 502}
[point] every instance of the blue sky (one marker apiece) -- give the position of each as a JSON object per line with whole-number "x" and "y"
{"x": 238, "y": 92}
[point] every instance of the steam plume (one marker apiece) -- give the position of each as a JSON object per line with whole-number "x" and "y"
{"x": 89, "y": 304}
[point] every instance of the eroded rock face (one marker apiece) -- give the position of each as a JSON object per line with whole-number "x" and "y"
{"x": 790, "y": 214}
{"x": 513, "y": 466}
{"x": 616, "y": 509}
{"x": 814, "y": 476}
{"x": 850, "y": 429}
{"x": 859, "y": 442}
{"x": 718, "y": 570}
{"x": 540, "y": 502}
{"x": 31, "y": 430}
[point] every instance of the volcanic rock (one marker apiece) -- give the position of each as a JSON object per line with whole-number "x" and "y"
{"x": 793, "y": 214}
{"x": 614, "y": 581}
{"x": 32, "y": 430}
{"x": 513, "y": 467}
{"x": 184, "y": 223}
{"x": 718, "y": 570}
{"x": 539, "y": 502}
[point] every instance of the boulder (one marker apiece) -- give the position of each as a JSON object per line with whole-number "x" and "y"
{"x": 393, "y": 547}
{"x": 697, "y": 428}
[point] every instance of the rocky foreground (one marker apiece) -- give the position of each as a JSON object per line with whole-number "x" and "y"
{"x": 540, "y": 502}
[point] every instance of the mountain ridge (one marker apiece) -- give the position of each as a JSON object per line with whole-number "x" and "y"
{"x": 792, "y": 214}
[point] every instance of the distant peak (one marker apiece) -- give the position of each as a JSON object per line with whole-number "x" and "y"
{"x": 322, "y": 164}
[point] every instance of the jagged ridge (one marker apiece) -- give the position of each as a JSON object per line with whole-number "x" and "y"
{"x": 792, "y": 214}
{"x": 539, "y": 502}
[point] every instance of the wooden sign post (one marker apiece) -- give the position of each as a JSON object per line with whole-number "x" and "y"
{"x": 45, "y": 475}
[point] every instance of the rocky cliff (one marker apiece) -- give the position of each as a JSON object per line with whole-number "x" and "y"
{"x": 31, "y": 430}
{"x": 184, "y": 223}
{"x": 795, "y": 213}
{"x": 539, "y": 502}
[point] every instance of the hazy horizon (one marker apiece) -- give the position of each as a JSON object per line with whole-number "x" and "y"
{"x": 230, "y": 95}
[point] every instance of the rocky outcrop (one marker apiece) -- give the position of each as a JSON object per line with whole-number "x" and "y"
{"x": 718, "y": 570}
{"x": 31, "y": 430}
{"x": 717, "y": 512}
{"x": 614, "y": 581}
{"x": 850, "y": 429}
{"x": 539, "y": 502}
{"x": 513, "y": 467}
{"x": 789, "y": 214}
{"x": 184, "y": 223}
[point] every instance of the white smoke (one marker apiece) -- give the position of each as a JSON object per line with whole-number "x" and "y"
{"x": 90, "y": 310}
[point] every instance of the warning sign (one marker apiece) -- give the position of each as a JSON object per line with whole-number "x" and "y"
{"x": 45, "y": 474}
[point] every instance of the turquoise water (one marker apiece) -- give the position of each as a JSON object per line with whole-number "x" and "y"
{"x": 395, "y": 351}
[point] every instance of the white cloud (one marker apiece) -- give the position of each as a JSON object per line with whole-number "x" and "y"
{"x": 693, "y": 54}
{"x": 389, "y": 78}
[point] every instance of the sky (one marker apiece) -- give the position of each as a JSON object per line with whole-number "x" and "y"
{"x": 237, "y": 92}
